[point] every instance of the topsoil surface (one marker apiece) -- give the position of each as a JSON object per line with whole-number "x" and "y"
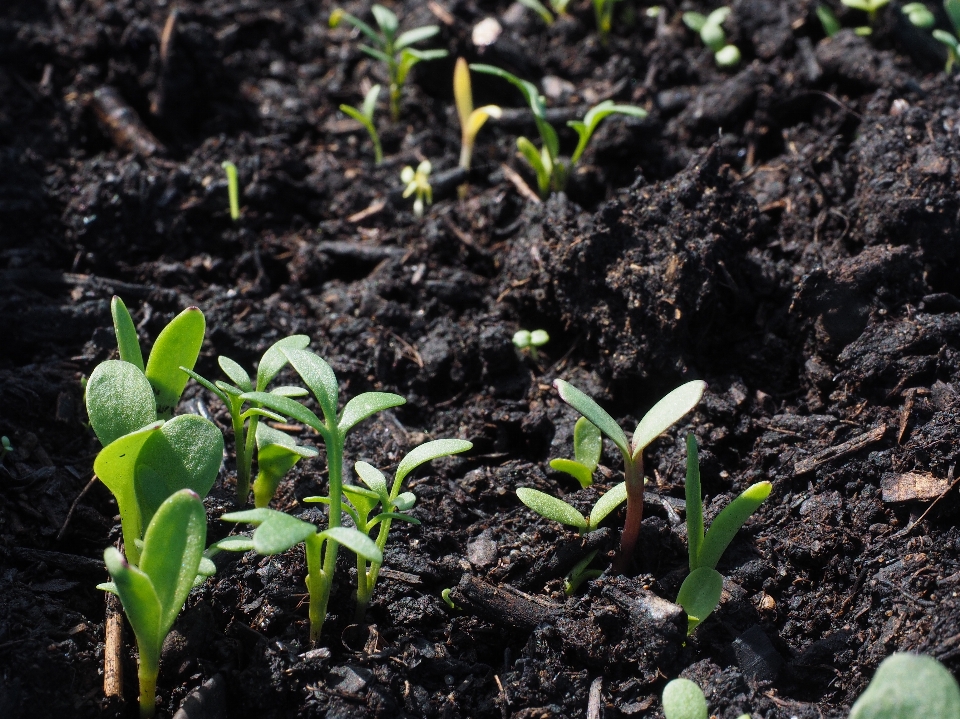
{"x": 786, "y": 231}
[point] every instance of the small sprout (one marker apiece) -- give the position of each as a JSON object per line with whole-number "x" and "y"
{"x": 418, "y": 184}
{"x": 445, "y": 595}
{"x": 710, "y": 28}
{"x": 909, "y": 686}
{"x": 683, "y": 699}
{"x": 530, "y": 341}
{"x": 919, "y": 15}
{"x": 870, "y": 7}
{"x": 587, "y": 446}
{"x": 559, "y": 511}
{"x": 5, "y": 447}
{"x": 364, "y": 115}
{"x": 276, "y": 454}
{"x": 233, "y": 189}
{"x": 603, "y": 14}
{"x": 653, "y": 11}
{"x": 580, "y": 574}
{"x": 831, "y": 26}
{"x": 951, "y": 41}
{"x": 540, "y": 9}
{"x": 700, "y": 592}
{"x": 153, "y": 593}
{"x": 471, "y": 120}
{"x": 393, "y": 50}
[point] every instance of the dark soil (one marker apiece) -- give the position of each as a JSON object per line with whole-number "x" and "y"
{"x": 787, "y": 231}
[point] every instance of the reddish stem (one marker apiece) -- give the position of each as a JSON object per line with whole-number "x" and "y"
{"x": 633, "y": 473}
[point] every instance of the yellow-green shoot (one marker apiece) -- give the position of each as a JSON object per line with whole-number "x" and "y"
{"x": 831, "y": 25}
{"x": 870, "y": 7}
{"x": 603, "y": 14}
{"x": 587, "y": 446}
{"x": 950, "y": 41}
{"x": 909, "y": 686}
{"x": 233, "y": 189}
{"x": 418, "y": 185}
{"x": 364, "y": 115}
{"x": 919, "y": 15}
{"x": 471, "y": 120}
{"x": 5, "y": 447}
{"x": 527, "y": 341}
{"x": 710, "y": 29}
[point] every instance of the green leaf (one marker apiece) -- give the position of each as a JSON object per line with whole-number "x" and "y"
{"x": 694, "y": 20}
{"x": 236, "y": 543}
{"x": 337, "y": 15}
{"x": 319, "y": 377}
{"x": 533, "y": 157}
{"x": 274, "y": 359}
{"x": 831, "y": 26}
{"x": 580, "y": 472}
{"x": 416, "y": 35}
{"x": 682, "y": 699}
{"x": 729, "y": 521}
{"x": 666, "y": 413}
{"x": 276, "y": 532}
{"x": 237, "y": 374}
{"x": 261, "y": 412}
{"x": 411, "y": 56}
{"x": 127, "y": 342}
{"x": 607, "y": 503}
{"x": 404, "y": 501}
{"x": 277, "y": 453}
{"x": 289, "y": 391}
{"x": 364, "y": 500}
{"x": 140, "y": 604}
{"x": 395, "y": 515}
{"x": 551, "y": 507}
{"x": 386, "y": 19}
{"x": 694, "y": 498}
{"x": 587, "y": 443}
{"x": 172, "y": 549}
{"x": 178, "y": 345}
{"x": 207, "y": 384}
{"x": 119, "y": 400}
{"x": 909, "y": 686}
{"x": 286, "y": 407}
{"x": 528, "y": 89}
{"x": 592, "y": 120}
{"x": 719, "y": 16}
{"x": 952, "y": 8}
{"x": 593, "y": 412}
{"x": 365, "y": 405}
{"x": 376, "y": 54}
{"x": 947, "y": 39}
{"x": 374, "y": 479}
{"x": 699, "y": 595}
{"x": 370, "y": 105}
{"x": 540, "y": 9}
{"x": 357, "y": 542}
{"x": 424, "y": 453}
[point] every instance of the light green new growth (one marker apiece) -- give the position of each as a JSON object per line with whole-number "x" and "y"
{"x": 603, "y": 14}
{"x": 580, "y": 573}
{"x": 393, "y": 50}
{"x": 829, "y": 21}
{"x": 559, "y": 511}
{"x": 683, "y": 699}
{"x": 909, "y": 686}
{"x": 950, "y": 41}
{"x": 418, "y": 183}
{"x": 233, "y": 189}
{"x": 870, "y": 7}
{"x": 445, "y": 595}
{"x": 710, "y": 29}
{"x": 5, "y": 447}
{"x": 587, "y": 447}
{"x": 364, "y": 115}
{"x": 551, "y": 171}
{"x": 919, "y": 15}
{"x": 471, "y": 120}
{"x": 558, "y": 6}
{"x": 530, "y": 341}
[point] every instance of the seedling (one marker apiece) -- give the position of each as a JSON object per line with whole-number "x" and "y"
{"x": 870, "y": 7}
{"x": 710, "y": 28}
{"x": 524, "y": 340}
{"x": 418, "y": 183}
{"x": 683, "y": 699}
{"x": 5, "y": 447}
{"x": 445, "y": 596}
{"x": 587, "y": 446}
{"x": 153, "y": 593}
{"x": 551, "y": 171}
{"x": 393, "y": 50}
{"x": 364, "y": 115}
{"x": 603, "y": 14}
{"x": 951, "y": 41}
{"x": 246, "y": 423}
{"x": 580, "y": 574}
{"x": 700, "y": 592}
{"x": 909, "y": 686}
{"x": 829, "y": 21}
{"x": 391, "y": 504}
{"x": 558, "y": 6}
{"x": 333, "y": 429}
{"x": 556, "y": 509}
{"x": 471, "y": 120}
{"x": 276, "y": 454}
{"x": 664, "y": 414}
{"x": 233, "y": 189}
{"x": 919, "y": 15}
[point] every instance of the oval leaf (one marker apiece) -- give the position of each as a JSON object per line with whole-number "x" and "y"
{"x": 319, "y": 377}
{"x": 682, "y": 699}
{"x": 357, "y": 542}
{"x": 127, "y": 342}
{"x": 236, "y": 373}
{"x": 726, "y": 524}
{"x": 595, "y": 413}
{"x": 579, "y": 472}
{"x": 286, "y": 407}
{"x": 177, "y": 345}
{"x": 694, "y": 499}
{"x": 374, "y": 479}
{"x": 274, "y": 360}
{"x": 587, "y": 443}
{"x": 607, "y": 503}
{"x": 426, "y": 452}
{"x": 551, "y": 507}
{"x": 140, "y": 604}
{"x": 909, "y": 686}
{"x": 119, "y": 400}
{"x": 699, "y": 595}
{"x": 666, "y": 413}
{"x": 277, "y": 532}
{"x": 364, "y": 405}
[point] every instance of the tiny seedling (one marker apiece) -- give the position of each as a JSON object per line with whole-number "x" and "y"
{"x": 683, "y": 699}
{"x": 580, "y": 574}
{"x": 710, "y": 28}
{"x": 246, "y": 423}
{"x": 700, "y": 592}
{"x": 471, "y": 120}
{"x": 919, "y": 15}
{"x": 153, "y": 593}
{"x": 5, "y": 447}
{"x": 556, "y": 509}
{"x": 950, "y": 41}
{"x": 909, "y": 686}
{"x": 233, "y": 189}
{"x": 587, "y": 446}
{"x": 870, "y": 7}
{"x": 418, "y": 183}
{"x": 829, "y": 21}
{"x": 603, "y": 14}
{"x": 392, "y": 505}
{"x": 364, "y": 115}
{"x": 524, "y": 340}
{"x": 664, "y": 414}
{"x": 445, "y": 596}
{"x": 558, "y": 6}
{"x": 393, "y": 50}
{"x": 551, "y": 171}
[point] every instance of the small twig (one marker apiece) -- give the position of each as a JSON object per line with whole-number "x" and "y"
{"x": 522, "y": 187}
{"x": 66, "y": 521}
{"x": 594, "y": 701}
{"x": 113, "y": 648}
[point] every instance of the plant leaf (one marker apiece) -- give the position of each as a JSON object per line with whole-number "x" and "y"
{"x": 364, "y": 500}
{"x": 365, "y": 405}
{"x": 119, "y": 400}
{"x": 528, "y": 89}
{"x": 140, "y": 604}
{"x": 337, "y": 15}
{"x": 666, "y": 413}
{"x": 699, "y": 595}
{"x": 277, "y": 453}
{"x": 540, "y": 9}
{"x": 274, "y": 359}
{"x": 694, "y": 20}
{"x": 127, "y": 342}
{"x": 592, "y": 120}
{"x": 368, "y": 108}
{"x": 376, "y": 54}
{"x": 587, "y": 443}
{"x": 276, "y": 531}
{"x": 374, "y": 479}
{"x": 909, "y": 686}
{"x": 207, "y": 384}
{"x": 287, "y": 407}
{"x": 395, "y": 515}
{"x": 236, "y": 373}
{"x": 416, "y": 35}
{"x": 551, "y": 507}
{"x": 683, "y": 699}
{"x": 289, "y": 391}
{"x": 462, "y": 92}
{"x": 726, "y": 525}
{"x": 952, "y": 8}
{"x": 424, "y": 453}
{"x": 386, "y": 19}
{"x": 478, "y": 117}
{"x": 357, "y": 542}
{"x": 319, "y": 377}
{"x": 831, "y": 26}
{"x": 177, "y": 345}
{"x": 236, "y": 543}
{"x": 575, "y": 469}
{"x": 694, "y": 498}
{"x": 607, "y": 503}
{"x": 586, "y": 406}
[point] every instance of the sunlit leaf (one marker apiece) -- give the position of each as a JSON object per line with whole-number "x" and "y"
{"x": 127, "y": 342}
{"x": 551, "y": 507}
{"x": 726, "y": 524}
{"x": 177, "y": 345}
{"x": 365, "y": 405}
{"x": 608, "y": 503}
{"x": 274, "y": 360}
{"x": 120, "y": 400}
{"x": 699, "y": 595}
{"x": 357, "y": 542}
{"x": 586, "y": 406}
{"x": 666, "y": 413}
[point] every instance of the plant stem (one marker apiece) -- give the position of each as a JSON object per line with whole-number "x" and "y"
{"x": 394, "y": 101}
{"x": 147, "y": 673}
{"x": 633, "y": 473}
{"x": 243, "y": 461}
{"x": 320, "y": 590}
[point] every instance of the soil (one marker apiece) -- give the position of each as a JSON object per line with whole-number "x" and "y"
{"x": 786, "y": 231}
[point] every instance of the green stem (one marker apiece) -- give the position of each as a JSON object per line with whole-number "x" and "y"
{"x": 371, "y": 576}
{"x": 633, "y": 473}
{"x": 320, "y": 592}
{"x": 318, "y": 589}
{"x": 394, "y": 101}
{"x": 147, "y": 673}
{"x": 243, "y": 460}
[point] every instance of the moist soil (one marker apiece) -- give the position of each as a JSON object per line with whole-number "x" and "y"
{"x": 785, "y": 230}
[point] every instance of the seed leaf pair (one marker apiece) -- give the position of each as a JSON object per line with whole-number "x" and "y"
{"x": 559, "y": 511}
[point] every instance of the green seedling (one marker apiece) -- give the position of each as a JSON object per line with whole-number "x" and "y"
{"x": 393, "y": 50}
{"x": 418, "y": 183}
{"x": 445, "y": 596}
{"x": 558, "y": 6}
{"x": 580, "y": 574}
{"x": 829, "y": 21}
{"x": 700, "y": 592}
{"x": 5, "y": 447}
{"x": 551, "y": 171}
{"x": 683, "y": 699}
{"x": 587, "y": 446}
{"x": 389, "y": 503}
{"x": 556, "y": 509}
{"x": 603, "y": 14}
{"x": 664, "y": 414}
{"x": 333, "y": 429}
{"x": 524, "y": 340}
{"x": 273, "y": 452}
{"x": 364, "y": 115}
{"x": 233, "y": 189}
{"x": 919, "y": 15}
{"x": 471, "y": 120}
{"x": 909, "y": 686}
{"x": 870, "y": 7}
{"x": 710, "y": 29}
{"x": 950, "y": 41}
{"x": 153, "y": 593}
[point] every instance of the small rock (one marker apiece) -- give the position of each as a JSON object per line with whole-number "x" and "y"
{"x": 756, "y": 656}
{"x": 911, "y": 486}
{"x": 482, "y": 551}
{"x": 557, "y": 88}
{"x": 352, "y": 680}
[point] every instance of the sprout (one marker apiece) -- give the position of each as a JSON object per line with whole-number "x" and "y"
{"x": 683, "y": 699}
{"x": 603, "y": 14}
{"x": 918, "y": 15}
{"x": 418, "y": 183}
{"x": 952, "y": 42}
{"x": 587, "y": 446}
{"x": 710, "y": 28}
{"x": 529, "y": 341}
{"x": 364, "y": 115}
{"x": 233, "y": 189}
{"x": 551, "y": 507}
{"x": 909, "y": 686}
{"x": 445, "y": 595}
{"x": 471, "y": 120}
{"x": 831, "y": 26}
{"x": 870, "y": 7}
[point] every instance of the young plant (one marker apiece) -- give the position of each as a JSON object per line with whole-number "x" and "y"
{"x": 558, "y": 6}
{"x": 951, "y": 41}
{"x": 664, "y": 414}
{"x": 603, "y": 14}
{"x": 700, "y": 592}
{"x": 393, "y": 50}
{"x": 829, "y": 21}
{"x": 277, "y": 452}
{"x": 333, "y": 429}
{"x": 364, "y": 115}
{"x": 524, "y": 340}
{"x": 710, "y": 28}
{"x": 580, "y": 574}
{"x": 246, "y": 422}
{"x": 418, "y": 183}
{"x": 871, "y": 8}
{"x": 919, "y": 15}
{"x": 153, "y": 593}
{"x": 233, "y": 189}
{"x": 909, "y": 686}
{"x": 587, "y": 446}
{"x": 551, "y": 171}
{"x": 471, "y": 120}
{"x": 554, "y": 508}
{"x": 683, "y": 699}
{"x": 390, "y": 504}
